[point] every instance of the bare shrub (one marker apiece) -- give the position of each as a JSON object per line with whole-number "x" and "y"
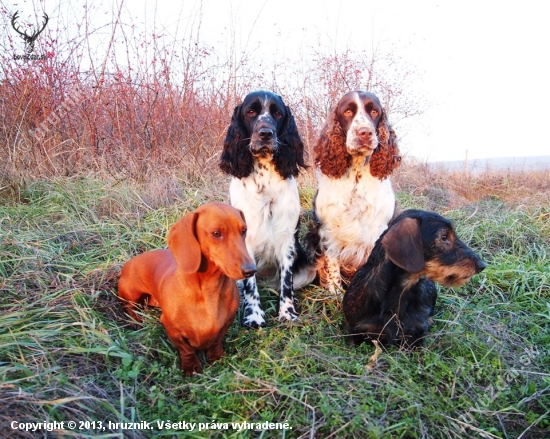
{"x": 149, "y": 104}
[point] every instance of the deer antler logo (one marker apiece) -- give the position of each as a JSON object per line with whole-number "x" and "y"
{"x": 29, "y": 39}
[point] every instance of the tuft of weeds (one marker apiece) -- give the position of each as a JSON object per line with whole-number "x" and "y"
{"x": 68, "y": 352}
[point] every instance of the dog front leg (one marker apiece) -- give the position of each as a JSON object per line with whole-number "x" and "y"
{"x": 253, "y": 315}
{"x": 329, "y": 275}
{"x": 189, "y": 361}
{"x": 287, "y": 311}
{"x": 215, "y": 351}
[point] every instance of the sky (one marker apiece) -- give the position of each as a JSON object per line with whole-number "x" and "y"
{"x": 482, "y": 66}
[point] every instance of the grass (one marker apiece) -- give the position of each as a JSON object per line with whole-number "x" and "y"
{"x": 67, "y": 352}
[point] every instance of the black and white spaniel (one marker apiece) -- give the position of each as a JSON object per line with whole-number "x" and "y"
{"x": 354, "y": 156}
{"x": 263, "y": 153}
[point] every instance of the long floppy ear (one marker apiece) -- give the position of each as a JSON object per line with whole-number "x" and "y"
{"x": 236, "y": 158}
{"x": 183, "y": 244}
{"x": 385, "y": 157}
{"x": 330, "y": 150}
{"x": 289, "y": 156}
{"x": 403, "y": 244}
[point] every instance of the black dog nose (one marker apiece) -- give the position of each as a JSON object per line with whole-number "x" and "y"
{"x": 364, "y": 133}
{"x": 248, "y": 270}
{"x": 480, "y": 265}
{"x": 265, "y": 133}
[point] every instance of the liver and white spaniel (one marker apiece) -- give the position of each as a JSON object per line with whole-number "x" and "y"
{"x": 264, "y": 153}
{"x": 354, "y": 156}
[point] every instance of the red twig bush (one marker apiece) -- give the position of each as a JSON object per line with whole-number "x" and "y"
{"x": 141, "y": 104}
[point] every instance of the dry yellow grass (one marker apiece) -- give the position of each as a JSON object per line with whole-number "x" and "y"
{"x": 459, "y": 187}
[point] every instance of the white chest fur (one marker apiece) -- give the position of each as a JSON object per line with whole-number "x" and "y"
{"x": 271, "y": 206}
{"x": 353, "y": 210}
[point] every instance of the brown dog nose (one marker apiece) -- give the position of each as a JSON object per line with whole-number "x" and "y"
{"x": 364, "y": 133}
{"x": 248, "y": 270}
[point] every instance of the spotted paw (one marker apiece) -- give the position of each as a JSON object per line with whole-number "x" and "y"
{"x": 335, "y": 289}
{"x": 287, "y": 311}
{"x": 254, "y": 318}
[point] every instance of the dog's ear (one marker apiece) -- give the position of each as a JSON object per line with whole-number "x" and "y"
{"x": 403, "y": 244}
{"x": 236, "y": 159}
{"x": 183, "y": 244}
{"x": 289, "y": 157}
{"x": 331, "y": 154}
{"x": 386, "y": 157}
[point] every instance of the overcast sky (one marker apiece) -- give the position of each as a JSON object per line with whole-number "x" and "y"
{"x": 483, "y": 67}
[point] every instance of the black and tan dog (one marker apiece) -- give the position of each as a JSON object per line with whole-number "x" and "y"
{"x": 391, "y": 298}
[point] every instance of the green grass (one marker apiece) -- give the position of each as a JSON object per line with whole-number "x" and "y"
{"x": 67, "y": 352}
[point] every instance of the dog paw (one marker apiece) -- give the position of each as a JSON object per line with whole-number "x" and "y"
{"x": 191, "y": 369}
{"x": 287, "y": 311}
{"x": 335, "y": 290}
{"x": 254, "y": 323}
{"x": 254, "y": 319}
{"x": 214, "y": 356}
{"x": 291, "y": 316}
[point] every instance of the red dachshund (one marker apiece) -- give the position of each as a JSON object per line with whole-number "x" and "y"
{"x": 193, "y": 281}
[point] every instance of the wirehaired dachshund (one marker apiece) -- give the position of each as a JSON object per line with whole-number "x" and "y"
{"x": 263, "y": 153}
{"x": 193, "y": 281}
{"x": 391, "y": 298}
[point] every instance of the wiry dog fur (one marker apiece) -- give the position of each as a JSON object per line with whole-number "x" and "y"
{"x": 392, "y": 297}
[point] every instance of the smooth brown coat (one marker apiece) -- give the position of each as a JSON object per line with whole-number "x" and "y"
{"x": 193, "y": 281}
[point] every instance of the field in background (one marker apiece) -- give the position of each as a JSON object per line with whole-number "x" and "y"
{"x": 496, "y": 164}
{"x": 67, "y": 351}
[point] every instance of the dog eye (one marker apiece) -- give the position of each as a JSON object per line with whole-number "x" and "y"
{"x": 251, "y": 113}
{"x": 444, "y": 237}
{"x": 243, "y": 232}
{"x": 216, "y": 233}
{"x": 278, "y": 114}
{"x": 374, "y": 113}
{"x": 348, "y": 113}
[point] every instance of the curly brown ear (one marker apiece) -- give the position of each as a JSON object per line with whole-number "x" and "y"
{"x": 403, "y": 244}
{"x": 385, "y": 157}
{"x": 331, "y": 155}
{"x": 183, "y": 244}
